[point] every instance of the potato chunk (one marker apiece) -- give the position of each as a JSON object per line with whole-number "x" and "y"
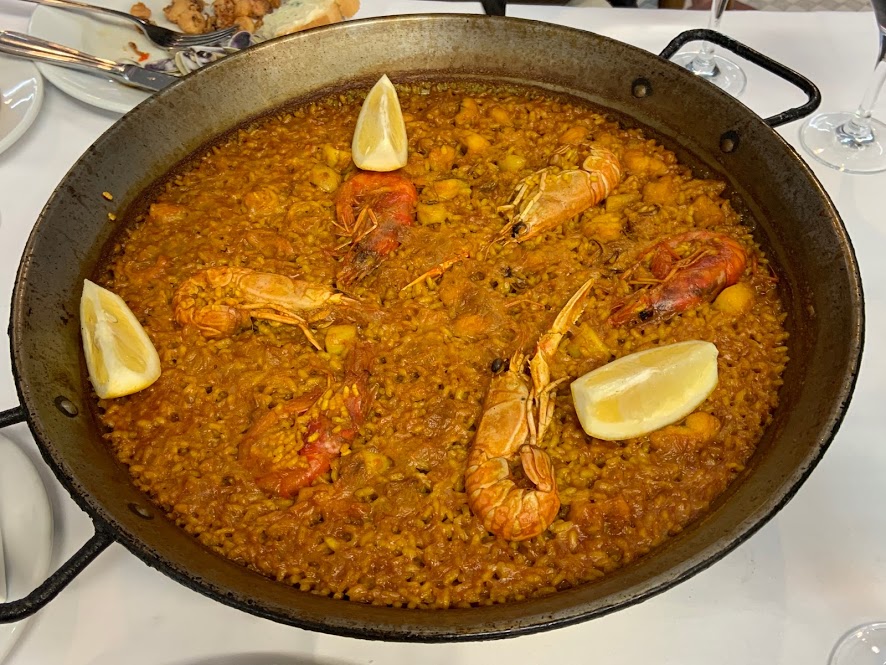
{"x": 444, "y": 190}
{"x": 431, "y": 213}
{"x": 662, "y": 191}
{"x": 512, "y": 163}
{"x": 605, "y": 228}
{"x": 638, "y": 161}
{"x": 474, "y": 143}
{"x": 335, "y": 158}
{"x": 736, "y": 299}
{"x": 324, "y": 177}
{"x": 707, "y": 213}
{"x": 500, "y": 116}
{"x": 339, "y": 338}
{"x": 615, "y": 202}
{"x": 442, "y": 159}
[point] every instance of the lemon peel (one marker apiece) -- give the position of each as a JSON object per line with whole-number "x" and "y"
{"x": 120, "y": 358}
{"x": 645, "y": 391}
{"x": 379, "y": 142}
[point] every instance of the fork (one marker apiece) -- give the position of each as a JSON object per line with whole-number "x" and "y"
{"x": 162, "y": 37}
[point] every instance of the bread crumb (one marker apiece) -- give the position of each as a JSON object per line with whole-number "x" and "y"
{"x": 141, "y": 10}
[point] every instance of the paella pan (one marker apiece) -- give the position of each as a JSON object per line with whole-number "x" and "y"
{"x": 421, "y": 271}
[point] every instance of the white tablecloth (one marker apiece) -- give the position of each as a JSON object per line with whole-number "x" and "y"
{"x": 784, "y": 596}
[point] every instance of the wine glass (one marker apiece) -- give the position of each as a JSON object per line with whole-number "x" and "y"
{"x": 863, "y": 645}
{"x": 853, "y": 142}
{"x": 720, "y": 71}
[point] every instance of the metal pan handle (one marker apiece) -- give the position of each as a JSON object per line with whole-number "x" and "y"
{"x": 16, "y": 610}
{"x": 806, "y": 86}
{"x": 494, "y": 7}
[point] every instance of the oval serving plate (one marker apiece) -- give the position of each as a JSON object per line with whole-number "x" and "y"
{"x": 97, "y": 35}
{"x": 21, "y": 96}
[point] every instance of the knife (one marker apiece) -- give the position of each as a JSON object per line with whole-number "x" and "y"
{"x": 26, "y": 46}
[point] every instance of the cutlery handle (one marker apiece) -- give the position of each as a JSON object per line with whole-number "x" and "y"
{"x": 73, "y": 4}
{"x": 26, "y": 46}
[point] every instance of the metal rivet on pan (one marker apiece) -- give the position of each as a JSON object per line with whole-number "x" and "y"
{"x": 66, "y": 406}
{"x": 641, "y": 88}
{"x": 729, "y": 141}
{"x": 141, "y": 511}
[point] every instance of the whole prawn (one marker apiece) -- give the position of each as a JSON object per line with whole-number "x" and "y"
{"x": 223, "y": 301}
{"x": 516, "y": 413}
{"x": 335, "y": 422}
{"x": 717, "y": 261}
{"x": 549, "y": 197}
{"x": 373, "y": 209}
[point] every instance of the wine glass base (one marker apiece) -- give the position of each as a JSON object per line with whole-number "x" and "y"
{"x": 863, "y": 645}
{"x": 724, "y": 74}
{"x": 821, "y": 137}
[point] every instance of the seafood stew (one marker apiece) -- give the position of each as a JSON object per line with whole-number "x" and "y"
{"x": 363, "y": 390}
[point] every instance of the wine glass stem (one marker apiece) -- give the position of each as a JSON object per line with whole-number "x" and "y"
{"x": 703, "y": 64}
{"x": 857, "y": 132}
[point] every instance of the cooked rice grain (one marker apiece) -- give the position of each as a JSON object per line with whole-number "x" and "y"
{"x": 389, "y": 524}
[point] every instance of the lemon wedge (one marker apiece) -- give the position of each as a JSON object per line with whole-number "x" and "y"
{"x": 379, "y": 142}
{"x": 645, "y": 391}
{"x": 120, "y": 357}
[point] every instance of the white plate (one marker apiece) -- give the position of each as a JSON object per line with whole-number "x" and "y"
{"x": 98, "y": 35}
{"x": 21, "y": 94}
{"x": 26, "y": 520}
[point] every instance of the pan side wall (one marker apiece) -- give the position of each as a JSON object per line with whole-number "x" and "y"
{"x": 825, "y": 307}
